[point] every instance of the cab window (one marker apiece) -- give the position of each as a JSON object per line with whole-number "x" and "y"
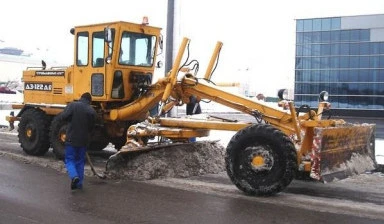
{"x": 82, "y": 49}
{"x": 137, "y": 49}
{"x": 98, "y": 49}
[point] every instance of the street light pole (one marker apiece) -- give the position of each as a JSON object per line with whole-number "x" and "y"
{"x": 169, "y": 36}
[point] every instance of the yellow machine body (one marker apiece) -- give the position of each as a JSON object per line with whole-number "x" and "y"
{"x": 129, "y": 58}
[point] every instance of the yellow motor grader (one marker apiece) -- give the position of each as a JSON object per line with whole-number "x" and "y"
{"x": 115, "y": 62}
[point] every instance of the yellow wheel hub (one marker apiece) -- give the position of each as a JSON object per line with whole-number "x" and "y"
{"x": 62, "y": 137}
{"x": 258, "y": 161}
{"x": 29, "y": 132}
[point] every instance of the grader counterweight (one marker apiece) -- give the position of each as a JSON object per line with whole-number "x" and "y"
{"x": 262, "y": 158}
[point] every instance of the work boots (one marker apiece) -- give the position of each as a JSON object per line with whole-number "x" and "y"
{"x": 74, "y": 183}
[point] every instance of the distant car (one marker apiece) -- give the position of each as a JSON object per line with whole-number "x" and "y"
{"x": 4, "y": 89}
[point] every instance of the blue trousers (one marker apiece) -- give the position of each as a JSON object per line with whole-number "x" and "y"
{"x": 74, "y": 162}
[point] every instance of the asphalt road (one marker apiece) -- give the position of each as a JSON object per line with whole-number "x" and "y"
{"x": 34, "y": 194}
{"x": 32, "y": 190}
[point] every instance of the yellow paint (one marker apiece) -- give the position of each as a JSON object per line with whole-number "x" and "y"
{"x": 78, "y": 78}
{"x": 62, "y": 137}
{"x": 258, "y": 161}
{"x": 29, "y": 133}
{"x": 307, "y": 166}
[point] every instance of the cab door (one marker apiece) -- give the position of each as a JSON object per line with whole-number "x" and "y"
{"x": 89, "y": 69}
{"x": 97, "y": 69}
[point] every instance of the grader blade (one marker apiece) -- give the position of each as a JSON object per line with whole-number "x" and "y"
{"x": 343, "y": 151}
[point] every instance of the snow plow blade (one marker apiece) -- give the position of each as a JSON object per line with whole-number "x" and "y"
{"x": 343, "y": 151}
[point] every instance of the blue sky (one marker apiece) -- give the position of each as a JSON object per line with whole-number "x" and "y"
{"x": 258, "y": 36}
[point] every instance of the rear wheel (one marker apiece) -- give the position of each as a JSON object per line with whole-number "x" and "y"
{"x": 57, "y": 136}
{"x": 261, "y": 160}
{"x": 34, "y": 132}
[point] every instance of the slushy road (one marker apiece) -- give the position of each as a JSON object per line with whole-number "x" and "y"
{"x": 31, "y": 192}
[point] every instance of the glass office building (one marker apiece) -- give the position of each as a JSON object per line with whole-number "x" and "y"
{"x": 344, "y": 56}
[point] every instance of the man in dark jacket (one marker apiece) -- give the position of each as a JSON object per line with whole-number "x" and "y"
{"x": 81, "y": 120}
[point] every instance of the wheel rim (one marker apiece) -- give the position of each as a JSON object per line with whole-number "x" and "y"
{"x": 62, "y": 137}
{"x": 30, "y": 132}
{"x": 258, "y": 161}
{"x": 260, "y": 158}
{"x": 62, "y": 133}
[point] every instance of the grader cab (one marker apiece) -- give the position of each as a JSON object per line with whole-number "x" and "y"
{"x": 115, "y": 62}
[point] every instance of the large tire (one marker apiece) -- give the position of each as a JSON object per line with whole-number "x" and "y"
{"x": 57, "y": 136}
{"x": 261, "y": 160}
{"x": 34, "y": 132}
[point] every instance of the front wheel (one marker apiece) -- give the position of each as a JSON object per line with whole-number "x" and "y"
{"x": 261, "y": 160}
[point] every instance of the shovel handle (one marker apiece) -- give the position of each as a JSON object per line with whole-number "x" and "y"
{"x": 93, "y": 168}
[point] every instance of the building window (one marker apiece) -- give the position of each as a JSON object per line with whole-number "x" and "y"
{"x": 364, "y": 48}
{"x": 325, "y": 37}
{"x": 365, "y": 35}
{"x": 326, "y": 24}
{"x": 316, "y": 25}
{"x": 344, "y": 49}
{"x": 335, "y": 23}
{"x": 307, "y": 25}
{"x": 374, "y": 48}
{"x": 354, "y": 35}
{"x": 344, "y": 35}
{"x": 335, "y": 36}
{"x": 299, "y": 25}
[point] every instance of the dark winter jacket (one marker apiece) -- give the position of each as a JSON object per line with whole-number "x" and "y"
{"x": 81, "y": 120}
{"x": 193, "y": 107}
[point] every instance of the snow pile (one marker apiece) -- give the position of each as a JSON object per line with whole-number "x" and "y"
{"x": 185, "y": 160}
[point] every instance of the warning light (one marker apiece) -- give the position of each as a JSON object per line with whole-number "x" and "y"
{"x": 145, "y": 20}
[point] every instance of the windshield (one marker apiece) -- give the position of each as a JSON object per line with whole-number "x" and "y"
{"x": 137, "y": 49}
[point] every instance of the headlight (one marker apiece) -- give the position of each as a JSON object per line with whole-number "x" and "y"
{"x": 283, "y": 94}
{"x": 323, "y": 96}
